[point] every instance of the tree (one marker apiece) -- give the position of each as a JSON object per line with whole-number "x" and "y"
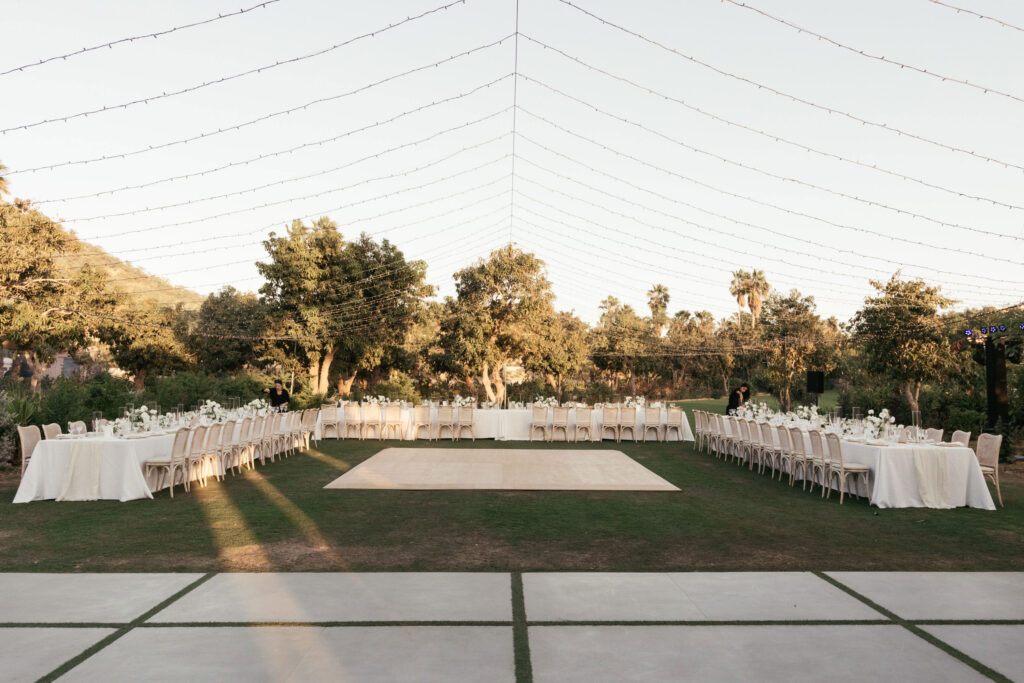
{"x": 494, "y": 315}
{"x": 338, "y": 298}
{"x": 657, "y": 300}
{"x": 3, "y": 182}
{"x": 559, "y": 348}
{"x": 757, "y": 291}
{"x": 795, "y": 339}
{"x": 622, "y": 342}
{"x": 224, "y": 335}
{"x": 738, "y": 288}
{"x": 142, "y": 341}
{"x": 902, "y": 335}
{"x": 46, "y": 306}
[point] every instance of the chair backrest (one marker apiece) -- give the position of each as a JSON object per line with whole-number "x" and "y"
{"x": 753, "y": 430}
{"x": 309, "y": 419}
{"x": 816, "y": 446}
{"x": 987, "y": 449}
{"x": 934, "y": 434}
{"x": 352, "y": 413}
{"x": 784, "y": 440}
{"x": 796, "y": 441}
{"x": 227, "y": 433}
{"x": 329, "y": 413}
{"x": 628, "y": 418}
{"x": 446, "y": 415}
{"x": 742, "y": 431}
{"x": 180, "y": 445}
{"x": 583, "y": 416}
{"x": 652, "y": 416}
{"x": 245, "y": 431}
{"x": 393, "y": 412}
{"x": 674, "y": 417}
{"x": 29, "y": 438}
{"x": 422, "y": 415}
{"x": 195, "y": 421}
{"x": 465, "y": 415}
{"x": 213, "y": 436}
{"x": 540, "y": 414}
{"x": 560, "y": 417}
{"x": 198, "y": 440}
{"x": 371, "y": 413}
{"x": 77, "y": 427}
{"x": 960, "y": 437}
{"x": 609, "y": 415}
{"x": 835, "y": 447}
{"x": 51, "y": 431}
{"x": 766, "y": 435}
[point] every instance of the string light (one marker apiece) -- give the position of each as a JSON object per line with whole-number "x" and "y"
{"x": 980, "y": 16}
{"x": 771, "y": 174}
{"x": 225, "y": 79}
{"x": 132, "y": 39}
{"x": 880, "y": 58}
{"x": 791, "y": 97}
{"x": 772, "y": 136}
{"x": 793, "y": 212}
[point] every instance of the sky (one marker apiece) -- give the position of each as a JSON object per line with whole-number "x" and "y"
{"x": 620, "y": 160}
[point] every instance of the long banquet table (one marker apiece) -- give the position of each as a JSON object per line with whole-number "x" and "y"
{"x": 912, "y": 474}
{"x": 513, "y": 424}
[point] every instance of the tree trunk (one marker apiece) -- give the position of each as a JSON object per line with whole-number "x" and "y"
{"x": 551, "y": 380}
{"x": 140, "y": 379}
{"x": 488, "y": 387}
{"x": 314, "y": 372}
{"x": 35, "y": 380}
{"x": 784, "y": 399}
{"x": 323, "y": 385}
{"x": 345, "y": 384}
{"x": 912, "y": 391}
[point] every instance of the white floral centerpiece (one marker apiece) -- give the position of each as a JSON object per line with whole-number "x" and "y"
{"x": 634, "y": 402}
{"x": 545, "y": 401}
{"x": 212, "y": 411}
{"x": 256, "y": 407}
{"x": 461, "y": 401}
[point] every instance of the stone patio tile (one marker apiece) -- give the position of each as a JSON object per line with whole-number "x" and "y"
{"x": 942, "y": 595}
{"x": 306, "y": 597}
{"x": 297, "y": 653}
{"x": 28, "y": 653}
{"x": 696, "y": 596}
{"x": 997, "y": 647}
{"x": 107, "y": 598}
{"x": 739, "y": 653}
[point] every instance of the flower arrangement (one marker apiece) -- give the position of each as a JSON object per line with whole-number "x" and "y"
{"x": 256, "y": 407}
{"x": 375, "y": 400}
{"x": 212, "y": 411}
{"x": 635, "y": 402}
{"x": 460, "y": 401}
{"x": 545, "y": 401}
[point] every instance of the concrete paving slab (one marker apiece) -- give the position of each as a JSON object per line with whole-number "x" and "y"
{"x": 997, "y": 647}
{"x": 252, "y": 654}
{"x": 692, "y": 596}
{"x": 942, "y": 595}
{"x": 739, "y": 653}
{"x": 99, "y": 598}
{"x": 309, "y": 597}
{"x": 26, "y": 654}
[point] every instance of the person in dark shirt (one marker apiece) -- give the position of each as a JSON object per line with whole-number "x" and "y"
{"x": 738, "y": 397}
{"x": 278, "y": 396}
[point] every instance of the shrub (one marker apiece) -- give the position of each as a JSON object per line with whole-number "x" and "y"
{"x": 8, "y": 433}
{"x": 400, "y": 387}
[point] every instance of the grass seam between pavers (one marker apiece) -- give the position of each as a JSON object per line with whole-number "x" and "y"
{"x": 126, "y": 628}
{"x": 316, "y": 624}
{"x": 920, "y": 633}
{"x": 520, "y": 632}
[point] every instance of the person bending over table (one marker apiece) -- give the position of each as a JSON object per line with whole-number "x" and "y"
{"x": 737, "y": 398}
{"x": 278, "y": 396}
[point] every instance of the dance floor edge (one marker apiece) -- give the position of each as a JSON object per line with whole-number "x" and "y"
{"x": 501, "y": 469}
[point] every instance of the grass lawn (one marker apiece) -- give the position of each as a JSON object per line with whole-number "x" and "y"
{"x": 280, "y": 518}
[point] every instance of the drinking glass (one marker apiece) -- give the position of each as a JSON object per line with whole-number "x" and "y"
{"x": 97, "y": 421}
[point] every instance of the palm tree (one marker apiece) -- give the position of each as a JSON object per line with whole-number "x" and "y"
{"x": 3, "y": 181}
{"x": 657, "y": 300}
{"x": 738, "y": 288}
{"x": 757, "y": 292}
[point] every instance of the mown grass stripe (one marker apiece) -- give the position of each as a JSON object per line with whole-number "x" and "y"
{"x": 520, "y": 632}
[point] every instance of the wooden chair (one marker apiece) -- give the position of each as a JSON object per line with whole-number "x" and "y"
{"x": 771, "y": 452}
{"x": 29, "y": 437}
{"x": 308, "y": 427}
{"x": 371, "y": 420}
{"x": 962, "y": 438}
{"x": 839, "y": 470}
{"x": 353, "y": 420}
{"x": 175, "y": 463}
{"x": 446, "y": 420}
{"x": 243, "y": 445}
{"x": 227, "y": 456}
{"x": 652, "y": 420}
{"x": 627, "y": 420}
{"x": 987, "y": 453}
{"x": 786, "y": 457}
{"x": 700, "y": 429}
{"x": 610, "y": 420}
{"x": 583, "y": 424}
{"x": 77, "y": 427}
{"x": 329, "y": 422}
{"x": 934, "y": 434}
{"x": 560, "y": 420}
{"x": 211, "y": 453}
{"x": 51, "y": 431}
{"x": 465, "y": 422}
{"x": 195, "y": 458}
{"x": 421, "y": 420}
{"x": 539, "y": 420}
{"x": 800, "y": 458}
{"x": 393, "y": 421}
{"x": 819, "y": 463}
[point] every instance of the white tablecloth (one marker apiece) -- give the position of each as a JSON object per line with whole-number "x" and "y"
{"x": 512, "y": 424}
